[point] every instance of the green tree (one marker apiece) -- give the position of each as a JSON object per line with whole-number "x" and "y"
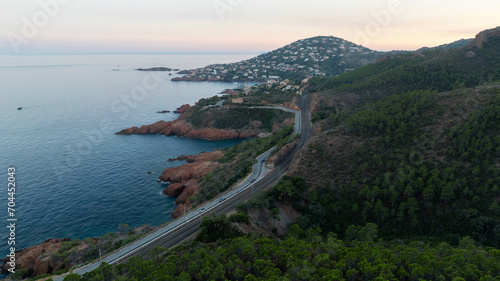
{"x": 274, "y": 214}
{"x": 72, "y": 277}
{"x": 216, "y": 227}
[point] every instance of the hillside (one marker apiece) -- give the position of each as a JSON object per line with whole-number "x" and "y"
{"x": 309, "y": 255}
{"x": 454, "y": 45}
{"x": 403, "y": 150}
{"x": 317, "y": 56}
{"x": 416, "y": 164}
{"x": 433, "y": 69}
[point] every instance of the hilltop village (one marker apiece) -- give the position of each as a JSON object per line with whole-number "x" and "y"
{"x": 318, "y": 56}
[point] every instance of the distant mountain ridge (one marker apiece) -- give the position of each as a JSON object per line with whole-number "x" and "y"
{"x": 317, "y": 56}
{"x": 454, "y": 45}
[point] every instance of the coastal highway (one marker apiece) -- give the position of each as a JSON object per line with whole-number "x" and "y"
{"x": 177, "y": 230}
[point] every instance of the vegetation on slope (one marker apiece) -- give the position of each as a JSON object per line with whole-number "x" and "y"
{"x": 307, "y": 255}
{"x": 240, "y": 158}
{"x": 236, "y": 118}
{"x": 434, "y": 69}
{"x": 265, "y": 95}
{"x": 420, "y": 163}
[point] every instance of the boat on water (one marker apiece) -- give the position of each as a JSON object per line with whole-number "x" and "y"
{"x": 19, "y": 108}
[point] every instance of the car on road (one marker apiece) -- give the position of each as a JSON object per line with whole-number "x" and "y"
{"x": 263, "y": 160}
{"x": 222, "y": 199}
{"x": 202, "y": 210}
{"x": 252, "y": 180}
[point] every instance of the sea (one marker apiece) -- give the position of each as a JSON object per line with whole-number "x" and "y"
{"x": 73, "y": 176}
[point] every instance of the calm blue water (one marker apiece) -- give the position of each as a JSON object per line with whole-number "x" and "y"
{"x": 75, "y": 178}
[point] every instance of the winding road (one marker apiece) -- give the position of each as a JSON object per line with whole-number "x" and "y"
{"x": 177, "y": 230}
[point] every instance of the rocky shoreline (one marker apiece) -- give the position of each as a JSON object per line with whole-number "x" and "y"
{"x": 183, "y": 184}
{"x": 41, "y": 258}
{"x": 184, "y": 180}
{"x": 180, "y": 127}
{"x": 58, "y": 255}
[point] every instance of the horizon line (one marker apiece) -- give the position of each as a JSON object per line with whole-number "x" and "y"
{"x": 132, "y": 53}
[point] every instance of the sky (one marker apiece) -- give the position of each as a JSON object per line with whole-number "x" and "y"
{"x": 233, "y": 26}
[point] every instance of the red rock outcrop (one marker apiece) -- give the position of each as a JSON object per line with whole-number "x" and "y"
{"x": 183, "y": 202}
{"x": 483, "y": 37}
{"x": 185, "y": 178}
{"x": 204, "y": 156}
{"x": 174, "y": 189}
{"x": 191, "y": 188}
{"x": 182, "y": 109}
{"x": 188, "y": 171}
{"x": 187, "y": 158}
{"x": 39, "y": 258}
{"x": 179, "y": 212}
{"x": 183, "y": 129}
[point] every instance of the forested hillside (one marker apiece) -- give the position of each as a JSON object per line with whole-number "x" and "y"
{"x": 421, "y": 163}
{"x": 309, "y": 255}
{"x": 403, "y": 150}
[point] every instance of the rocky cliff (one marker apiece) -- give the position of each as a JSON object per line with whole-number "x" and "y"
{"x": 281, "y": 154}
{"x": 184, "y": 179}
{"x": 62, "y": 254}
{"x": 182, "y": 128}
{"x": 484, "y": 36}
{"x": 39, "y": 259}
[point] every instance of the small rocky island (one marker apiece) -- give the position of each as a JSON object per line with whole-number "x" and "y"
{"x": 158, "y": 68}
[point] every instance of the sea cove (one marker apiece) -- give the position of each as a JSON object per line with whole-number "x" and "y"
{"x": 75, "y": 177}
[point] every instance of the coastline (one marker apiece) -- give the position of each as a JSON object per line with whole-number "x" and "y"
{"x": 74, "y": 220}
{"x": 184, "y": 180}
{"x": 188, "y": 78}
{"x": 186, "y": 188}
{"x": 182, "y": 128}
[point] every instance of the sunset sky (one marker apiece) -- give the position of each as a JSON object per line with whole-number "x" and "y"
{"x": 236, "y": 26}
